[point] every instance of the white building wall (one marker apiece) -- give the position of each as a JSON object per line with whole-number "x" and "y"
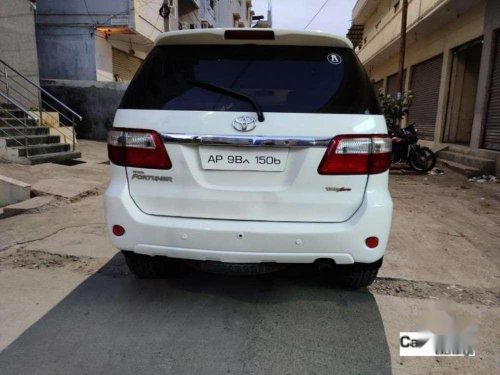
{"x": 103, "y": 60}
{"x": 207, "y": 13}
{"x": 147, "y": 20}
{"x": 226, "y": 9}
{"x": 173, "y": 20}
{"x": 191, "y": 18}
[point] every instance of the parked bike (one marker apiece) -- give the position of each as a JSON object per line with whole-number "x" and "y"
{"x": 405, "y": 149}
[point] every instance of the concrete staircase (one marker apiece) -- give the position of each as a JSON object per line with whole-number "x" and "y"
{"x": 23, "y": 140}
{"x": 468, "y": 162}
{"x": 35, "y": 126}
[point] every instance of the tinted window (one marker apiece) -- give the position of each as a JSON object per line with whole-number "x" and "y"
{"x": 280, "y": 78}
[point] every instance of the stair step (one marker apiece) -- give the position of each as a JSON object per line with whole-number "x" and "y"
{"x": 41, "y": 149}
{"x": 9, "y": 115}
{"x": 4, "y": 106}
{"x": 15, "y": 114}
{"x": 31, "y": 130}
{"x": 33, "y": 140}
{"x": 13, "y": 121}
{"x": 12, "y": 113}
{"x": 461, "y": 168}
{"x": 482, "y": 164}
{"x": 56, "y": 156}
{"x": 482, "y": 153}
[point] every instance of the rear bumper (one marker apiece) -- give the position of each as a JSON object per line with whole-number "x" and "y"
{"x": 251, "y": 241}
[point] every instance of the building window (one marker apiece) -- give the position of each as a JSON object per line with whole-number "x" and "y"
{"x": 212, "y": 4}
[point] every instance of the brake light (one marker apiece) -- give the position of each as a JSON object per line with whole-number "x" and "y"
{"x": 137, "y": 148}
{"x": 249, "y": 34}
{"x": 357, "y": 154}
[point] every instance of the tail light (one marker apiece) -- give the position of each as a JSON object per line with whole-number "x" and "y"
{"x": 357, "y": 154}
{"x": 137, "y": 148}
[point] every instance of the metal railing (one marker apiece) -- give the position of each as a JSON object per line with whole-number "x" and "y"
{"x": 17, "y": 120}
{"x": 36, "y": 103}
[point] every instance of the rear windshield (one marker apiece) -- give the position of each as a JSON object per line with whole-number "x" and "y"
{"x": 290, "y": 79}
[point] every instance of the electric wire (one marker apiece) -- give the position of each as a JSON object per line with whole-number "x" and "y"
{"x": 318, "y": 12}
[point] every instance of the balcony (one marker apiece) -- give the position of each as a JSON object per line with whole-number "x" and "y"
{"x": 424, "y": 17}
{"x": 363, "y": 9}
{"x": 188, "y": 6}
{"x": 207, "y": 13}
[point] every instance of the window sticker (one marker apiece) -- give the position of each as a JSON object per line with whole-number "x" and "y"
{"x": 334, "y": 59}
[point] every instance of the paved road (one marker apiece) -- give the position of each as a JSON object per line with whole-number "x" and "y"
{"x": 198, "y": 323}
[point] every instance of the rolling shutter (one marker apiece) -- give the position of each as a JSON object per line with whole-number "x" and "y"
{"x": 425, "y": 83}
{"x": 393, "y": 84}
{"x": 377, "y": 86}
{"x": 124, "y": 65}
{"x": 492, "y": 128}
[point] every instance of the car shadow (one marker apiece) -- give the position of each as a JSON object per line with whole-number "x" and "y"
{"x": 196, "y": 323}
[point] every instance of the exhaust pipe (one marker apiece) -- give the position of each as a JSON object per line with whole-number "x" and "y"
{"x": 325, "y": 266}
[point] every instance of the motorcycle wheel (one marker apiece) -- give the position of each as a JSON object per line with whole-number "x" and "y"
{"x": 422, "y": 159}
{"x": 395, "y": 158}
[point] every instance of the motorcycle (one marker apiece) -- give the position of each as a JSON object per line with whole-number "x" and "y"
{"x": 406, "y": 149}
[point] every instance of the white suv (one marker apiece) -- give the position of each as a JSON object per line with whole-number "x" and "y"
{"x": 250, "y": 148}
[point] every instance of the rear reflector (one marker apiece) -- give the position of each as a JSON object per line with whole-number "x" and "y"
{"x": 249, "y": 34}
{"x": 372, "y": 242}
{"x": 357, "y": 154}
{"x": 118, "y": 230}
{"x": 137, "y": 148}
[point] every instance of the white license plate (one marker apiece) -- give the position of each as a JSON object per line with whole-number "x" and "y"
{"x": 243, "y": 158}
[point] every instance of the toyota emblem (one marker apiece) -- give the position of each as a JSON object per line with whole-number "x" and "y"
{"x": 244, "y": 123}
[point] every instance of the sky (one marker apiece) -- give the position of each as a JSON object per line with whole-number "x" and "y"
{"x": 334, "y": 18}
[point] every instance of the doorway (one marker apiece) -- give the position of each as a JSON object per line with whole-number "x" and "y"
{"x": 462, "y": 95}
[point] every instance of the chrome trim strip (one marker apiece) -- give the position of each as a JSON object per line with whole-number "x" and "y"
{"x": 245, "y": 140}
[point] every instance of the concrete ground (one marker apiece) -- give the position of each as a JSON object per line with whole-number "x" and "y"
{"x": 69, "y": 305}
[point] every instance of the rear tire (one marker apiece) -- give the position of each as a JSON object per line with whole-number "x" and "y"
{"x": 422, "y": 160}
{"x": 148, "y": 267}
{"x": 355, "y": 276}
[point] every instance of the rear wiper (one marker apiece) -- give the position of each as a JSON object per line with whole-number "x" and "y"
{"x": 234, "y": 94}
